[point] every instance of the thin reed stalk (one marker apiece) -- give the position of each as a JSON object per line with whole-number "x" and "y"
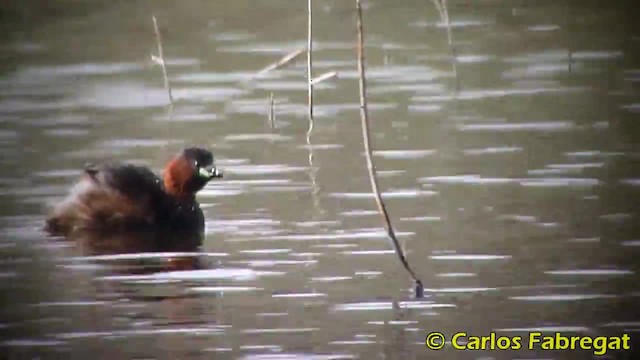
{"x": 364, "y": 118}
{"x": 310, "y": 81}
{"x": 569, "y": 38}
{"x": 310, "y": 64}
{"x": 310, "y": 84}
{"x": 160, "y": 59}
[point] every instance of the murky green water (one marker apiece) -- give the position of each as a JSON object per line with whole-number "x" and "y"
{"x": 515, "y": 196}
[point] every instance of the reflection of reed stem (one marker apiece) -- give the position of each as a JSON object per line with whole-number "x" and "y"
{"x": 454, "y": 60}
{"x": 272, "y": 115}
{"x": 364, "y": 118}
{"x": 160, "y": 58}
{"x": 315, "y": 189}
{"x": 441, "y": 6}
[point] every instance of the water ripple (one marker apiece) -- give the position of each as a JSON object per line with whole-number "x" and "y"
{"x": 469, "y": 257}
{"x": 496, "y": 93}
{"x": 548, "y": 329}
{"x": 532, "y": 126}
{"x": 256, "y": 169}
{"x": 368, "y": 306}
{"x": 395, "y": 194}
{"x": 403, "y": 154}
{"x": 300, "y": 356}
{"x": 590, "y": 272}
{"x": 562, "y": 297}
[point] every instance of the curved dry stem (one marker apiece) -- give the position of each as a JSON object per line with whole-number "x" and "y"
{"x": 310, "y": 65}
{"x": 364, "y": 118}
{"x": 310, "y": 81}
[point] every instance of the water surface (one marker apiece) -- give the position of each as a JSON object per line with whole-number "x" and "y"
{"x": 508, "y": 162}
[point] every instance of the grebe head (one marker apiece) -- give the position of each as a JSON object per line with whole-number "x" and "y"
{"x": 189, "y": 171}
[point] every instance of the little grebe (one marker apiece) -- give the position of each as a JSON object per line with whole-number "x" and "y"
{"x": 124, "y": 197}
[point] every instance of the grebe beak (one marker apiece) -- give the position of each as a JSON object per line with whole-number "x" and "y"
{"x": 209, "y": 172}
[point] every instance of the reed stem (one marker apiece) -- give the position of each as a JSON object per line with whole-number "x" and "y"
{"x": 160, "y": 59}
{"x": 452, "y": 48}
{"x": 282, "y": 62}
{"x": 364, "y": 118}
{"x": 310, "y": 64}
{"x": 324, "y": 77}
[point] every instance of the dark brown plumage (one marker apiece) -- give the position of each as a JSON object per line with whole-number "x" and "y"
{"x": 113, "y": 198}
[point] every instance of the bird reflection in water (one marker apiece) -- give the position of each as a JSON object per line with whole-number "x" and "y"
{"x": 142, "y": 252}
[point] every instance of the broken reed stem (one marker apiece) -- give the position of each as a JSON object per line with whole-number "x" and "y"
{"x": 445, "y": 14}
{"x": 160, "y": 58}
{"x": 438, "y": 6}
{"x": 569, "y": 38}
{"x": 364, "y": 118}
{"x": 282, "y": 62}
{"x": 309, "y": 65}
{"x": 324, "y": 77}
